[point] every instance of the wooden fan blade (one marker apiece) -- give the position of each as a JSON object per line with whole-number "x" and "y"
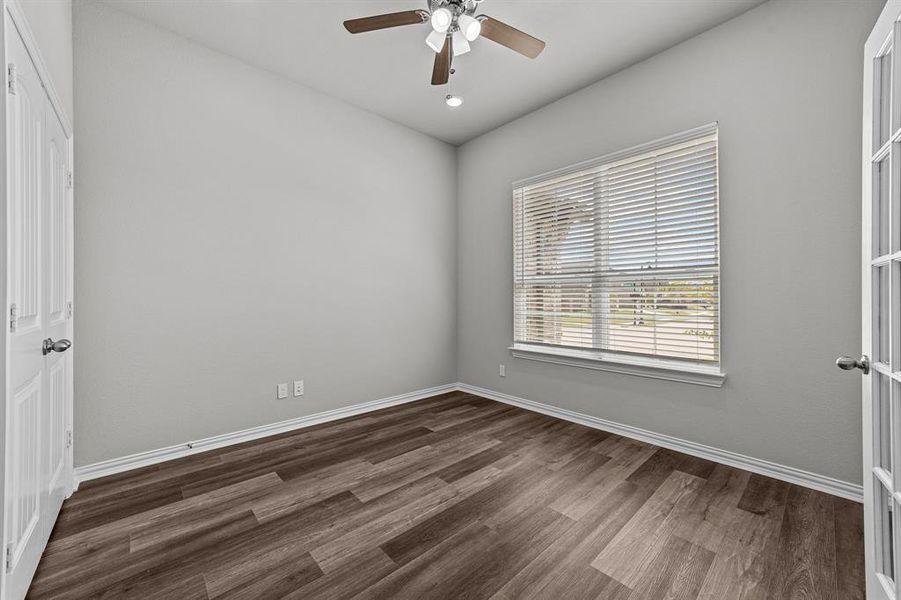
{"x": 441, "y": 70}
{"x": 511, "y": 37}
{"x": 407, "y": 17}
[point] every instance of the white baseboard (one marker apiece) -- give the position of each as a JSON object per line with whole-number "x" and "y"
{"x": 755, "y": 465}
{"x": 807, "y": 479}
{"x": 151, "y": 457}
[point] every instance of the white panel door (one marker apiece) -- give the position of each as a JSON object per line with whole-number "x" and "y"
{"x": 38, "y": 469}
{"x": 57, "y": 219}
{"x": 881, "y": 279}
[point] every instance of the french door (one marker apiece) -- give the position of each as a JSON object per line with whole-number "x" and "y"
{"x": 881, "y": 279}
{"x": 38, "y": 468}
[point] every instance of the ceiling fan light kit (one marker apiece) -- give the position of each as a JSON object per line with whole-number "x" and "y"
{"x": 454, "y": 25}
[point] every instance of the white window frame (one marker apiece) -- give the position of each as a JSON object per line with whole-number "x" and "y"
{"x": 652, "y": 367}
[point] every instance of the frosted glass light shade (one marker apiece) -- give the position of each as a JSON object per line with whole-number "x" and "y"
{"x": 461, "y": 44}
{"x": 470, "y": 27}
{"x": 435, "y": 40}
{"x": 441, "y": 19}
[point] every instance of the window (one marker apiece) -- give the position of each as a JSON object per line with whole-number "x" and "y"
{"x": 617, "y": 259}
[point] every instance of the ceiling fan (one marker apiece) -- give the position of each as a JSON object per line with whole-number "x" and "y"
{"x": 454, "y": 25}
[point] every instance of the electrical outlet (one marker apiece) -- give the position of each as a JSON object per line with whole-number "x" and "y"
{"x": 298, "y": 388}
{"x": 502, "y": 371}
{"x": 282, "y": 391}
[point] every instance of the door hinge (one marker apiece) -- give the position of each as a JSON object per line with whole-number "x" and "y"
{"x": 68, "y": 438}
{"x": 69, "y": 309}
{"x": 13, "y": 316}
{"x": 11, "y": 78}
{"x": 8, "y": 558}
{"x": 69, "y": 180}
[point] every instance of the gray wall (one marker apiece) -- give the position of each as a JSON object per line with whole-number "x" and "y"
{"x": 234, "y": 231}
{"x": 784, "y": 81}
{"x": 51, "y": 23}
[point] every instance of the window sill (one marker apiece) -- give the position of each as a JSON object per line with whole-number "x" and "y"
{"x": 642, "y": 367}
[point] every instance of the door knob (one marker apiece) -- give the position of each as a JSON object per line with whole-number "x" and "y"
{"x": 847, "y": 363}
{"x": 58, "y": 346}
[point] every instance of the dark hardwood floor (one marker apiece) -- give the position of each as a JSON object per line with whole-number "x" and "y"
{"x": 451, "y": 497}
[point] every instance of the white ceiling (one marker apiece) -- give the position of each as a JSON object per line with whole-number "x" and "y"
{"x": 388, "y": 72}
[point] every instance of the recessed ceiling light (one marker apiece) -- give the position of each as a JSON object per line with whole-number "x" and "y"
{"x": 453, "y": 101}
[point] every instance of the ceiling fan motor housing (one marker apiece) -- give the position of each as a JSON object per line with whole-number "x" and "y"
{"x": 457, "y": 7}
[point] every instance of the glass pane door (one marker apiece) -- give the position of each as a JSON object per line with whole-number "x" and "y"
{"x": 882, "y": 314}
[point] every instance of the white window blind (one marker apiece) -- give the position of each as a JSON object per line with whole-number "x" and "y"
{"x": 621, "y": 254}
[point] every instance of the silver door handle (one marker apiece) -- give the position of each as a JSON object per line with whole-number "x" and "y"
{"x": 847, "y": 363}
{"x": 57, "y": 346}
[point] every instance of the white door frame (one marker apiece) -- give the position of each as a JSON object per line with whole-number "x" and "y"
{"x": 14, "y": 10}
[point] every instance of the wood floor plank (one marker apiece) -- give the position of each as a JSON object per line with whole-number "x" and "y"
{"x": 676, "y": 573}
{"x": 583, "y": 495}
{"x": 457, "y": 416}
{"x": 517, "y": 479}
{"x": 293, "y": 461}
{"x": 375, "y": 533}
{"x": 764, "y": 495}
{"x": 190, "y": 588}
{"x": 295, "y": 534}
{"x": 75, "y": 519}
{"x": 350, "y": 579}
{"x": 470, "y": 464}
{"x": 476, "y": 562}
{"x": 169, "y": 529}
{"x": 656, "y": 469}
{"x": 430, "y": 573}
{"x": 545, "y": 487}
{"x": 440, "y": 456}
{"x": 807, "y": 568}
{"x": 110, "y": 570}
{"x": 706, "y": 516}
{"x": 563, "y": 570}
{"x": 454, "y": 496}
{"x": 630, "y": 553}
{"x": 97, "y": 537}
{"x": 286, "y": 574}
{"x": 849, "y": 572}
{"x": 737, "y": 572}
{"x": 302, "y": 491}
{"x": 519, "y": 543}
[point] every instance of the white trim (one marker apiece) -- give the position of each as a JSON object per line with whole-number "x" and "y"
{"x": 807, "y": 479}
{"x": 776, "y": 471}
{"x": 152, "y": 457}
{"x": 31, "y": 44}
{"x": 683, "y": 372}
